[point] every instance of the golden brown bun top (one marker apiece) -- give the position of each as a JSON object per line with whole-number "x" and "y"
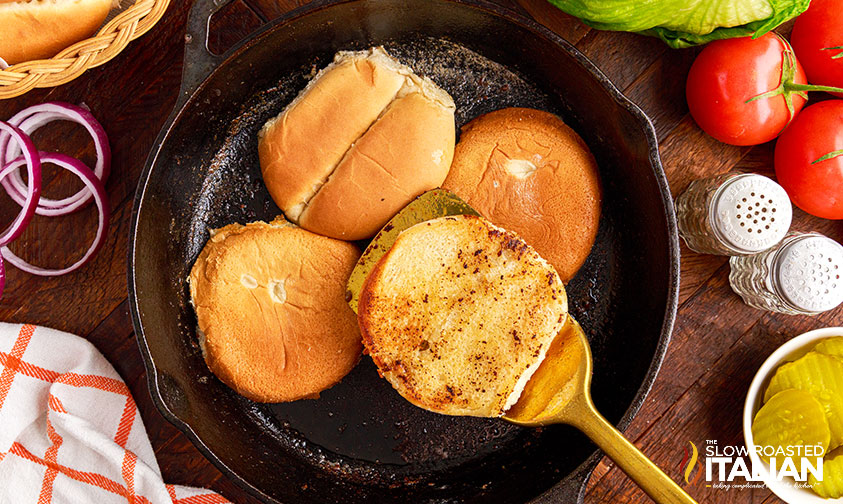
{"x": 270, "y": 300}
{"x": 38, "y": 29}
{"x": 459, "y": 314}
{"x": 406, "y": 152}
{"x": 300, "y": 148}
{"x": 363, "y": 139}
{"x": 527, "y": 171}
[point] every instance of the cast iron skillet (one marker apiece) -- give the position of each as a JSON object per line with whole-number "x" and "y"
{"x": 361, "y": 441}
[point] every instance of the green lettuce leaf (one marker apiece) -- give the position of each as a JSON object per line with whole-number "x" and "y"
{"x": 685, "y": 23}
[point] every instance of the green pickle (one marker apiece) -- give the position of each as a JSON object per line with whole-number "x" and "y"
{"x": 791, "y": 418}
{"x": 831, "y": 487}
{"x": 831, "y": 346}
{"x": 822, "y": 376}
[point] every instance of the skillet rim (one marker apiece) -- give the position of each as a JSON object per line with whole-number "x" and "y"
{"x": 584, "y": 470}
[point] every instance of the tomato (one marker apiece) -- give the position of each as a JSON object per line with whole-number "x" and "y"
{"x": 809, "y": 160}
{"x": 726, "y": 82}
{"x": 818, "y": 41}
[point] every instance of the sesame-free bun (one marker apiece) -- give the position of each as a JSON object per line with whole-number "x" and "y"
{"x": 270, "y": 306}
{"x": 363, "y": 139}
{"x": 37, "y": 29}
{"x": 459, "y": 314}
{"x": 527, "y": 171}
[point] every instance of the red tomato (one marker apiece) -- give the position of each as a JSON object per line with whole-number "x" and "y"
{"x": 813, "y": 185}
{"x": 818, "y": 41}
{"x": 729, "y": 73}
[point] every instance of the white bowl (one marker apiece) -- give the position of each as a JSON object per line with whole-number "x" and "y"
{"x": 792, "y": 350}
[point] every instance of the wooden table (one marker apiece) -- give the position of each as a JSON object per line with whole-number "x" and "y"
{"x": 717, "y": 345}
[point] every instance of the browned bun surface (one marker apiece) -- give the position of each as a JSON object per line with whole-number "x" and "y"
{"x": 395, "y": 161}
{"x": 270, "y": 305}
{"x": 363, "y": 139}
{"x": 459, "y": 314}
{"x": 527, "y": 171}
{"x": 38, "y": 29}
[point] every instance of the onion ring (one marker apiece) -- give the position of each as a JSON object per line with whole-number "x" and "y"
{"x": 29, "y": 203}
{"x": 2, "y": 276}
{"x": 32, "y": 118}
{"x": 96, "y": 188}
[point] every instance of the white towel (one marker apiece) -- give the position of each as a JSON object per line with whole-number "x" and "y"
{"x": 69, "y": 428}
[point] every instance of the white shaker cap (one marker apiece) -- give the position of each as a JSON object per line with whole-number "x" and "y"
{"x": 750, "y": 213}
{"x": 807, "y": 272}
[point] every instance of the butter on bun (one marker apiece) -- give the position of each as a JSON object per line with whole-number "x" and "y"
{"x": 38, "y": 29}
{"x": 527, "y": 171}
{"x": 363, "y": 139}
{"x": 459, "y": 314}
{"x": 270, "y": 305}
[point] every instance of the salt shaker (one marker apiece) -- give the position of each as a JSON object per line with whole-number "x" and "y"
{"x": 733, "y": 214}
{"x": 799, "y": 276}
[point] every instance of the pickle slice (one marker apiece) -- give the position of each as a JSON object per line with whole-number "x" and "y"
{"x": 830, "y": 346}
{"x": 822, "y": 376}
{"x": 831, "y": 487}
{"x": 790, "y": 418}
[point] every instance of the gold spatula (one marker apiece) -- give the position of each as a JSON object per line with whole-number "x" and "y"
{"x": 560, "y": 392}
{"x": 560, "y": 389}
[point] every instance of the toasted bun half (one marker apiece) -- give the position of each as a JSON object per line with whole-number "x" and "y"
{"x": 37, "y": 29}
{"x": 270, "y": 305}
{"x": 527, "y": 171}
{"x": 459, "y": 314}
{"x": 363, "y": 139}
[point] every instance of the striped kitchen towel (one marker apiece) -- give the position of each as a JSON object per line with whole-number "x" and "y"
{"x": 69, "y": 429}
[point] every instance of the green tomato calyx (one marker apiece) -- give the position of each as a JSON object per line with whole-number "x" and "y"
{"x": 837, "y": 48}
{"x": 830, "y": 155}
{"x": 788, "y": 87}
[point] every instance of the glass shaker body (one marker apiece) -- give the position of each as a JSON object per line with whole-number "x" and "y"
{"x": 733, "y": 214}
{"x": 799, "y": 276}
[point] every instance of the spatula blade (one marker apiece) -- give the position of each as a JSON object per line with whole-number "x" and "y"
{"x": 430, "y": 205}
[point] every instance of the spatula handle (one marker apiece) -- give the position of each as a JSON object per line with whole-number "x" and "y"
{"x": 630, "y": 459}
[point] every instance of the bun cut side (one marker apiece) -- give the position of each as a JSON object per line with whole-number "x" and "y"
{"x": 38, "y": 29}
{"x": 363, "y": 139}
{"x": 459, "y": 314}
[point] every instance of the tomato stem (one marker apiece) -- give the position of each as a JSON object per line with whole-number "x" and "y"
{"x": 837, "y": 48}
{"x": 787, "y": 87}
{"x": 788, "y": 75}
{"x": 828, "y": 156}
{"x": 810, "y": 87}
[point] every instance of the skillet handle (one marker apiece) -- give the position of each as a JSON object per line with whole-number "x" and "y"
{"x": 199, "y": 61}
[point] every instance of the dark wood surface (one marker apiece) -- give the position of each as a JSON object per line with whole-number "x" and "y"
{"x": 718, "y": 342}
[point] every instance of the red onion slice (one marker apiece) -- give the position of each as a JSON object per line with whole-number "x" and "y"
{"x": 96, "y": 188}
{"x": 2, "y": 276}
{"x": 33, "y": 189}
{"x": 32, "y": 118}
{"x": 3, "y": 66}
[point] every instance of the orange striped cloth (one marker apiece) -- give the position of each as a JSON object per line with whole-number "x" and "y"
{"x": 69, "y": 429}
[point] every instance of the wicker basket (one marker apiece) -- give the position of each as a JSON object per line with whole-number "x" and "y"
{"x": 127, "y": 25}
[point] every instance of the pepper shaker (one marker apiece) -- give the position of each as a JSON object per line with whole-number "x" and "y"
{"x": 799, "y": 276}
{"x": 733, "y": 214}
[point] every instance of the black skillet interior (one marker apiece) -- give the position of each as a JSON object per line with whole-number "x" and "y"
{"x": 360, "y": 441}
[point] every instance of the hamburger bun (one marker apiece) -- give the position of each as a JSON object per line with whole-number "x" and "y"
{"x": 527, "y": 171}
{"x": 363, "y": 139}
{"x": 459, "y": 314}
{"x": 271, "y": 311}
{"x": 38, "y": 29}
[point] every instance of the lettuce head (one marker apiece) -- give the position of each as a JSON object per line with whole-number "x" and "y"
{"x": 684, "y": 23}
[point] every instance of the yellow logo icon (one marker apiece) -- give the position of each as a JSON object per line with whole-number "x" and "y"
{"x": 690, "y": 463}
